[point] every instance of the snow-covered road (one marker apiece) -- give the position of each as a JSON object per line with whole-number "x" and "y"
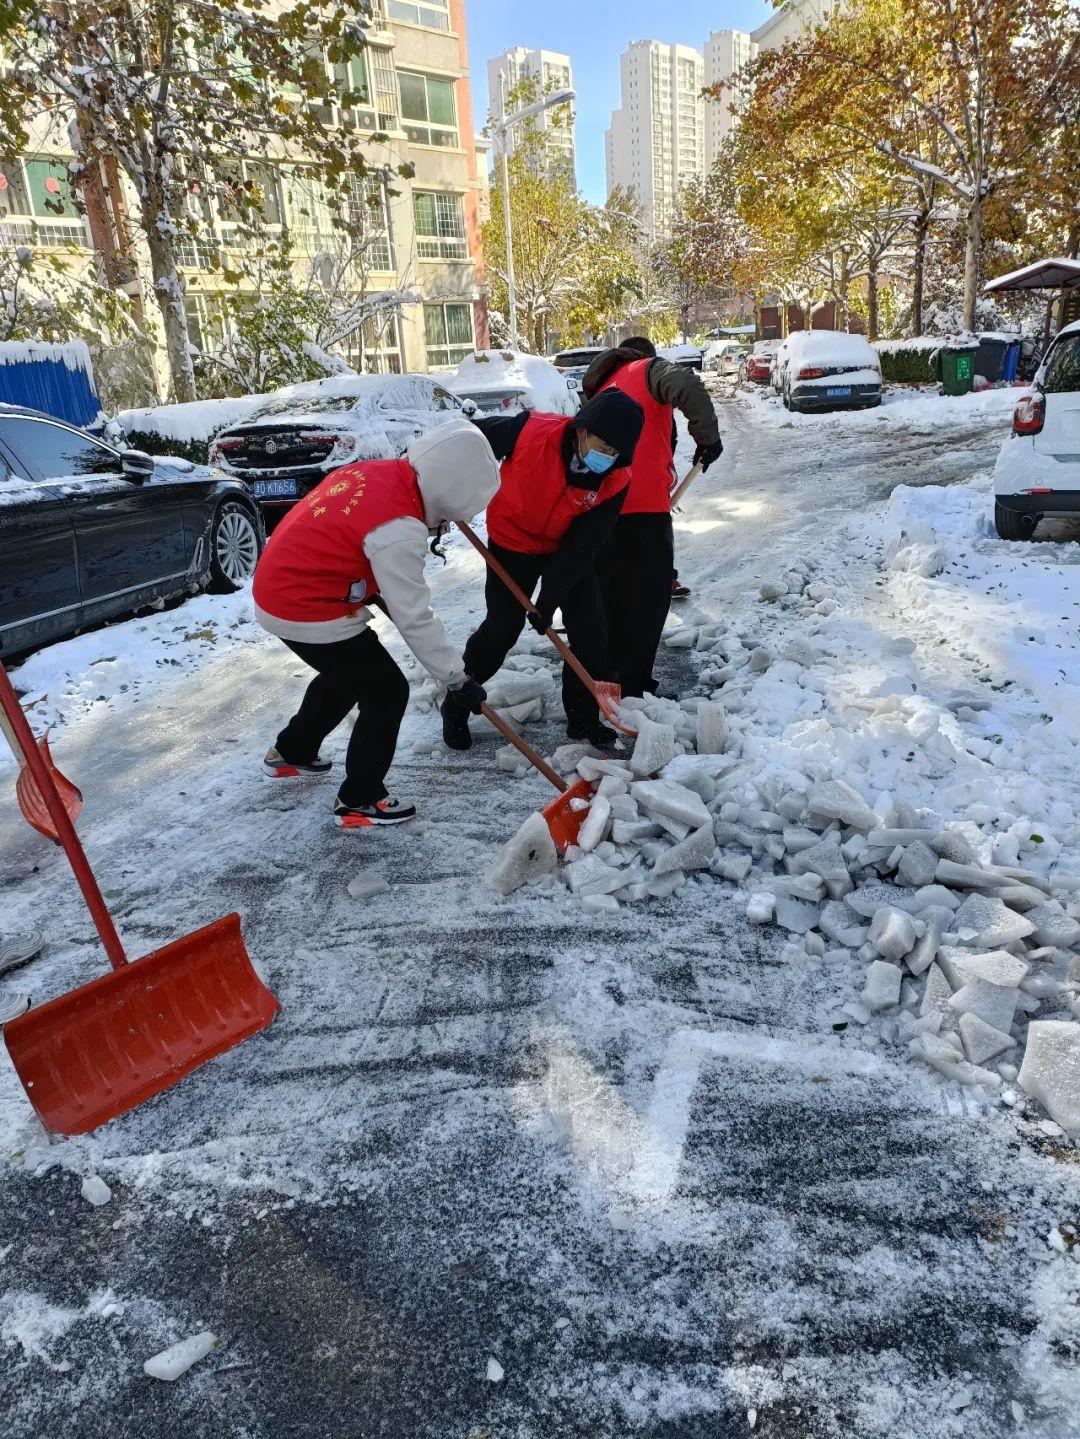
{"x": 636, "y": 1159}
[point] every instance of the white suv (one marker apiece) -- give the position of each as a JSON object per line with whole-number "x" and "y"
{"x": 1038, "y": 469}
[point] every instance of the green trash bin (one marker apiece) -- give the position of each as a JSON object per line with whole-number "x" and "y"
{"x": 956, "y": 370}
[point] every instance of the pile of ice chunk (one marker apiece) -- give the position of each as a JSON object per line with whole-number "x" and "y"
{"x": 955, "y": 936}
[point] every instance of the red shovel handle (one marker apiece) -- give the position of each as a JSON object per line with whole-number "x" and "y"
{"x": 24, "y": 736}
{"x": 522, "y": 598}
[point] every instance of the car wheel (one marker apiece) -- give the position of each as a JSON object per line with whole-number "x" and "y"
{"x": 235, "y": 546}
{"x": 1011, "y": 526}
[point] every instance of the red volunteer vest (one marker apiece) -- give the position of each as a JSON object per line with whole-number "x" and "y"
{"x": 534, "y": 505}
{"x": 653, "y": 471}
{"x": 314, "y": 566}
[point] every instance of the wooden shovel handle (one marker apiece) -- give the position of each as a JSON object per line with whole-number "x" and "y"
{"x": 10, "y": 736}
{"x": 537, "y": 761}
{"x": 679, "y": 490}
{"x": 523, "y": 599}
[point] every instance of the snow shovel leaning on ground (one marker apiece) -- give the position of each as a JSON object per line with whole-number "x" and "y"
{"x": 31, "y": 801}
{"x": 563, "y": 820}
{"x": 607, "y": 695}
{"x": 99, "y": 1051}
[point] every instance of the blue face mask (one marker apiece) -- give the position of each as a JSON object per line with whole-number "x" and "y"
{"x": 597, "y": 462}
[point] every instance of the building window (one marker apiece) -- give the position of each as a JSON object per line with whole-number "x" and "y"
{"x": 435, "y": 14}
{"x": 369, "y": 211}
{"x": 428, "y": 110}
{"x": 354, "y": 81}
{"x": 375, "y": 348}
{"x": 50, "y": 192}
{"x": 440, "y": 226}
{"x": 37, "y": 207}
{"x": 448, "y": 331}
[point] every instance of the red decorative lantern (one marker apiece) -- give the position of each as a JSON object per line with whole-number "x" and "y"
{"x": 52, "y": 184}
{"x": 3, "y": 181}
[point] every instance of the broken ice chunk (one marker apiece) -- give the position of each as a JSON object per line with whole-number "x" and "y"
{"x": 892, "y": 932}
{"x": 366, "y": 886}
{"x": 795, "y": 915}
{"x": 882, "y": 987}
{"x": 596, "y": 824}
{"x": 836, "y": 800}
{"x": 526, "y": 856}
{"x": 711, "y": 727}
{"x": 694, "y": 852}
{"x": 179, "y": 1358}
{"x": 918, "y": 865}
{"x": 870, "y": 897}
{"x": 666, "y": 797}
{"x": 760, "y": 908}
{"x": 936, "y": 996}
{"x": 653, "y": 748}
{"x": 992, "y": 1003}
{"x": 988, "y": 922}
{"x": 599, "y": 903}
{"x": 590, "y": 875}
{"x": 981, "y": 1041}
{"x": 1050, "y": 1072}
{"x": 1053, "y": 925}
{"x": 95, "y": 1191}
{"x": 824, "y": 859}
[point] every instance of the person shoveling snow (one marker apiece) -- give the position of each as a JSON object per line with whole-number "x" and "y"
{"x": 563, "y": 484}
{"x": 360, "y": 537}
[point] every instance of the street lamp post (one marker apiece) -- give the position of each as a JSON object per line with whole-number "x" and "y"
{"x": 546, "y": 102}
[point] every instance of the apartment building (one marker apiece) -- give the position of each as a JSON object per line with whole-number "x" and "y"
{"x": 726, "y": 53}
{"x": 552, "y": 71}
{"x": 791, "y": 20}
{"x": 656, "y": 141}
{"x": 424, "y": 232}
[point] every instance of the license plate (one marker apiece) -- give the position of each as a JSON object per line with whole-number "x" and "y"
{"x": 838, "y": 392}
{"x": 275, "y": 489}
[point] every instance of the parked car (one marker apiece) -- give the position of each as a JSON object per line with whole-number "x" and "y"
{"x": 722, "y": 357}
{"x": 757, "y": 365}
{"x": 572, "y": 364}
{"x": 498, "y": 382}
{"x": 688, "y": 355}
{"x": 1038, "y": 468}
{"x": 88, "y": 532}
{"x": 827, "y": 370}
{"x": 304, "y": 431}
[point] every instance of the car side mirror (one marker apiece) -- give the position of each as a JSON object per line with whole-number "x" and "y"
{"x": 469, "y": 408}
{"x": 136, "y": 465}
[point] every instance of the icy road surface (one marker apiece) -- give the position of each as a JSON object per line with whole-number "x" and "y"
{"x": 503, "y": 1170}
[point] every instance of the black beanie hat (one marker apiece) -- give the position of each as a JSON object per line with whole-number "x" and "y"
{"x": 614, "y": 418}
{"x": 640, "y": 345}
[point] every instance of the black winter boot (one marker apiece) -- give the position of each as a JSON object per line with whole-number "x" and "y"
{"x": 593, "y": 731}
{"x": 455, "y": 725}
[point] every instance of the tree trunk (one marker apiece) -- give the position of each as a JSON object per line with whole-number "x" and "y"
{"x": 170, "y": 298}
{"x": 973, "y": 255}
{"x": 918, "y": 275}
{"x": 872, "y": 300}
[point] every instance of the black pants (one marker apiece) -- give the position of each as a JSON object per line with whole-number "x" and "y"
{"x": 635, "y": 569}
{"x": 356, "y": 671}
{"x": 583, "y": 614}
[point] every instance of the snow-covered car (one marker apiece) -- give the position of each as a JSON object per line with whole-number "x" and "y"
{"x": 572, "y": 364}
{"x": 688, "y": 355}
{"x": 759, "y": 362}
{"x": 722, "y": 357}
{"x": 89, "y": 533}
{"x": 302, "y": 432}
{"x": 1038, "y": 468}
{"x": 500, "y": 382}
{"x": 827, "y": 370}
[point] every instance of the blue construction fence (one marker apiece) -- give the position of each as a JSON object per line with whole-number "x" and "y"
{"x": 55, "y": 378}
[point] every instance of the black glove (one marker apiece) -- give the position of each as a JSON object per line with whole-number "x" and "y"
{"x": 469, "y": 695}
{"x": 706, "y": 455}
{"x": 540, "y": 618}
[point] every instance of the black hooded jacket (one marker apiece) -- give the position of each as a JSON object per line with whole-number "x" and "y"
{"x": 618, "y": 424}
{"x": 670, "y": 384}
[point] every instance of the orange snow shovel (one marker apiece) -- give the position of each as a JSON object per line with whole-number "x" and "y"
{"x": 31, "y": 803}
{"x": 563, "y": 820}
{"x": 606, "y": 694}
{"x": 99, "y": 1051}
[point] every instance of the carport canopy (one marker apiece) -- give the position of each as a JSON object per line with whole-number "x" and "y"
{"x": 1058, "y": 274}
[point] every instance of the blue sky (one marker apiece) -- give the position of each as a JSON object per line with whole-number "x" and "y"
{"x": 594, "y": 33}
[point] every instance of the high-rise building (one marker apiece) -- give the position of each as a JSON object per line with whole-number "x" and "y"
{"x": 726, "y": 52}
{"x": 790, "y": 20}
{"x": 657, "y": 137}
{"x": 551, "y": 71}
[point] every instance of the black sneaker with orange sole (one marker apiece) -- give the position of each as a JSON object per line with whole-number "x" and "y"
{"x": 366, "y": 816}
{"x": 276, "y": 767}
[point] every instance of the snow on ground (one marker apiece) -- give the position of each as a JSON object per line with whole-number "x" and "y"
{"x": 919, "y": 409}
{"x": 660, "y": 1164}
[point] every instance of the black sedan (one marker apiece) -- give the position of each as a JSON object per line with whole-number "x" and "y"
{"x": 88, "y": 533}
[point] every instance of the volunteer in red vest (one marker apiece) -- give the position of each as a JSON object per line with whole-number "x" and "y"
{"x": 637, "y": 568}
{"x": 361, "y": 537}
{"x": 563, "y": 483}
